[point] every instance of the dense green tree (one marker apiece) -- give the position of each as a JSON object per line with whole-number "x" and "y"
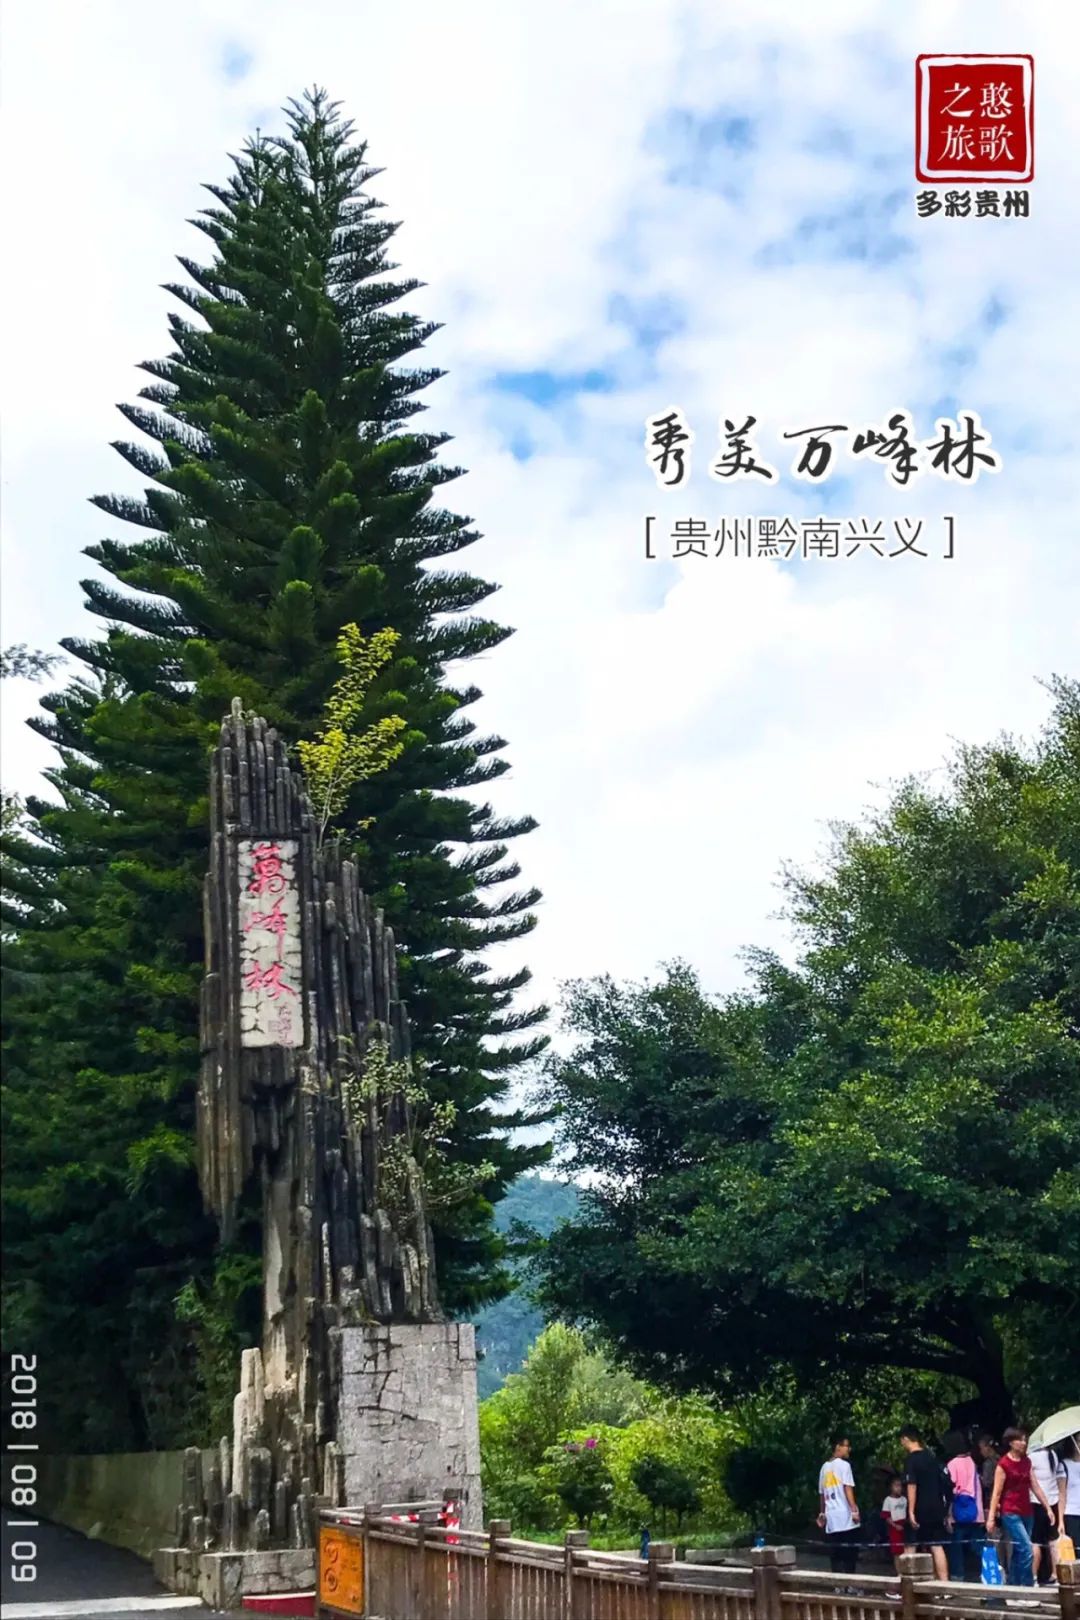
{"x": 288, "y": 494}
{"x": 581, "y": 1479}
{"x": 569, "y": 1392}
{"x": 870, "y": 1159}
{"x": 666, "y": 1487}
{"x": 562, "y": 1385}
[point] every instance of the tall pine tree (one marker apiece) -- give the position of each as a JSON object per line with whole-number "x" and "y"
{"x": 288, "y": 495}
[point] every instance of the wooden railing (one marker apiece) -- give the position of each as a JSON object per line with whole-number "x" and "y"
{"x": 373, "y": 1563}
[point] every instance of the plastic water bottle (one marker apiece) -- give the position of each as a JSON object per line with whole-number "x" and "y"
{"x": 759, "y": 1539}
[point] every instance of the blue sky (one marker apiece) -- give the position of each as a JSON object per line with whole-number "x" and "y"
{"x": 614, "y": 208}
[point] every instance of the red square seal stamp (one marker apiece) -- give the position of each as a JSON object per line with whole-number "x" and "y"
{"x": 975, "y": 119}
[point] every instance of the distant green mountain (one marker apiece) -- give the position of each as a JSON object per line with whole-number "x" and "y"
{"x": 505, "y": 1331}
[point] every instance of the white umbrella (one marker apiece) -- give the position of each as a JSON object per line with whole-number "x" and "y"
{"x": 1052, "y": 1429}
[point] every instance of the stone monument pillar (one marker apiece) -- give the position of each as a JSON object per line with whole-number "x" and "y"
{"x": 360, "y": 1390}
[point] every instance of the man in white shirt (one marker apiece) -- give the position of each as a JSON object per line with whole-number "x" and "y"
{"x": 838, "y": 1512}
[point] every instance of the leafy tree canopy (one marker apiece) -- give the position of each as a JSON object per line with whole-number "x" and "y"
{"x": 869, "y": 1159}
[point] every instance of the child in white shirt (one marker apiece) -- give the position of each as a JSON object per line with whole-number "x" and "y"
{"x": 894, "y": 1513}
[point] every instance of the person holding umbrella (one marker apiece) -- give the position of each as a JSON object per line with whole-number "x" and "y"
{"x": 1046, "y": 1467}
{"x": 1070, "y": 1459}
{"x": 1064, "y": 1425}
{"x": 1063, "y": 1432}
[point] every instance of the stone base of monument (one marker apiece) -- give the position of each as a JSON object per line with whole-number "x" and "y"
{"x": 407, "y": 1427}
{"x": 224, "y": 1579}
{"x": 406, "y": 1430}
{"x": 174, "y": 1567}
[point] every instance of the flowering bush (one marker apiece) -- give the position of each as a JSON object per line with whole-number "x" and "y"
{"x": 570, "y": 1405}
{"x": 580, "y": 1479}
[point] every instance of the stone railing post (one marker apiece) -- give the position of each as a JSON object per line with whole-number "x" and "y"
{"x": 913, "y": 1567}
{"x": 572, "y": 1540}
{"x": 768, "y": 1565}
{"x": 498, "y": 1530}
{"x": 1069, "y": 1590}
{"x": 660, "y": 1552}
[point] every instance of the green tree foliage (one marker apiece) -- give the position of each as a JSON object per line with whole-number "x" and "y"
{"x": 692, "y": 1436}
{"x": 754, "y": 1465}
{"x": 871, "y": 1159}
{"x": 533, "y": 1207}
{"x": 786, "y": 1432}
{"x": 581, "y": 1478}
{"x": 561, "y": 1386}
{"x": 666, "y": 1488}
{"x": 759, "y": 1475}
{"x": 568, "y": 1394}
{"x": 213, "y": 1315}
{"x": 287, "y": 493}
{"x": 414, "y": 1131}
{"x": 345, "y": 751}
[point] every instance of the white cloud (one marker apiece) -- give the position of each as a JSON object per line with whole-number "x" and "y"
{"x": 549, "y": 161}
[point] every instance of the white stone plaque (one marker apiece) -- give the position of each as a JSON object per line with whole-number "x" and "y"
{"x": 271, "y": 955}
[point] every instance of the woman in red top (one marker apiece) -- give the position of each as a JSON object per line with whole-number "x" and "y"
{"x": 1014, "y": 1487}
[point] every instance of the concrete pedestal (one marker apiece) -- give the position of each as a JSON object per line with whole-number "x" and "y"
{"x": 407, "y": 1425}
{"x": 224, "y": 1579}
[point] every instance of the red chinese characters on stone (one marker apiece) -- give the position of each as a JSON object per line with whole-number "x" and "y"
{"x": 271, "y": 965}
{"x": 974, "y": 118}
{"x": 267, "y": 876}
{"x": 268, "y": 978}
{"x": 273, "y": 922}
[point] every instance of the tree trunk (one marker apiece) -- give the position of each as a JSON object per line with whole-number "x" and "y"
{"x": 984, "y": 1365}
{"x": 993, "y": 1408}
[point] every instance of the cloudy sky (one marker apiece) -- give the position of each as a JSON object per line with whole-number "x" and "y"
{"x": 616, "y": 207}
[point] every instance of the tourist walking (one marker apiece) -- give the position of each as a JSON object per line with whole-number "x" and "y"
{"x": 929, "y": 1488}
{"x": 838, "y": 1513}
{"x": 1014, "y": 1487}
{"x": 968, "y": 1516}
{"x": 986, "y": 1455}
{"x": 1070, "y": 1490}
{"x": 1047, "y": 1468}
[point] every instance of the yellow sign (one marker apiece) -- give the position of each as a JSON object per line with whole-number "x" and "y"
{"x": 341, "y": 1570}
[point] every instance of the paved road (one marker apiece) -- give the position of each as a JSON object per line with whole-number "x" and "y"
{"x": 79, "y": 1579}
